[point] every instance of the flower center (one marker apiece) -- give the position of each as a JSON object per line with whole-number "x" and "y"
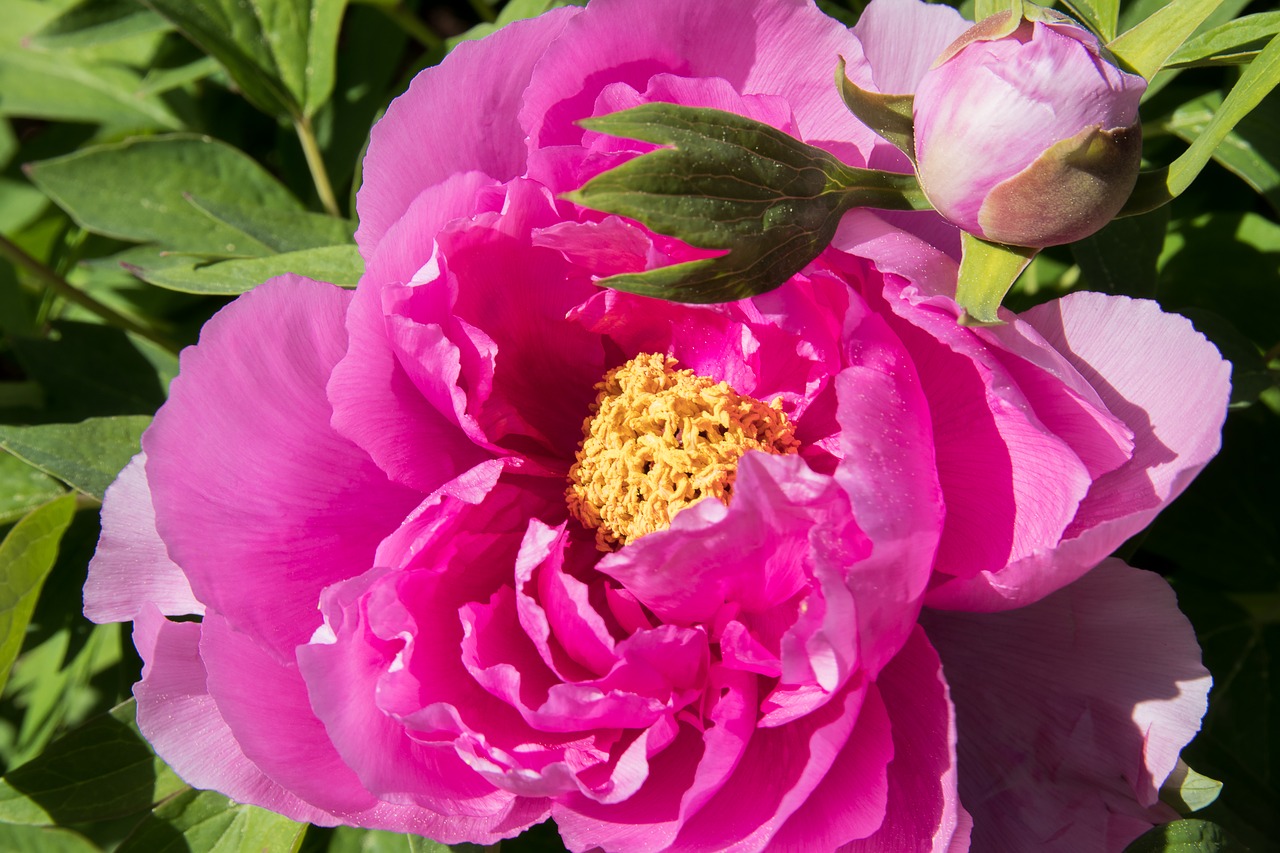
{"x": 660, "y": 440}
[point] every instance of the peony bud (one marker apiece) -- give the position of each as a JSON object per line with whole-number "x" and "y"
{"x": 1025, "y": 133}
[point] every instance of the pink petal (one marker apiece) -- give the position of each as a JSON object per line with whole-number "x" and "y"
{"x": 1170, "y": 388}
{"x": 131, "y": 567}
{"x": 459, "y": 116}
{"x": 257, "y": 498}
{"x": 924, "y": 812}
{"x": 1072, "y": 710}
{"x": 902, "y": 38}
{"x": 181, "y": 721}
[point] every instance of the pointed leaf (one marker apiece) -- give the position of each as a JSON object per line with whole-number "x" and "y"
{"x": 87, "y": 455}
{"x": 987, "y": 271}
{"x": 1251, "y": 151}
{"x": 888, "y": 115}
{"x": 340, "y": 265}
{"x": 1232, "y": 43}
{"x": 95, "y": 22}
{"x": 101, "y": 770}
{"x": 1146, "y": 47}
{"x": 1189, "y": 791}
{"x": 26, "y": 556}
{"x": 208, "y": 822}
{"x": 137, "y": 190}
{"x": 278, "y": 230}
{"x": 729, "y": 182}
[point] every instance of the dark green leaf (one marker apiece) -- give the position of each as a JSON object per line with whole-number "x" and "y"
{"x": 340, "y": 265}
{"x": 93, "y": 22}
{"x": 1251, "y": 151}
{"x": 1122, "y": 257}
{"x": 280, "y": 53}
{"x": 1231, "y": 43}
{"x": 100, "y": 770}
{"x": 87, "y": 455}
{"x": 1186, "y": 836}
{"x": 208, "y": 822}
{"x": 728, "y": 182}
{"x": 26, "y": 556}
{"x": 23, "y": 488}
{"x": 138, "y": 191}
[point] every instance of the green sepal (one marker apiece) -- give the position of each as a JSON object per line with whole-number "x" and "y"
{"x": 729, "y": 182}
{"x": 987, "y": 271}
{"x": 889, "y": 116}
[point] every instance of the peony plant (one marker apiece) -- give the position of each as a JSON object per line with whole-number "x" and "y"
{"x": 484, "y": 543}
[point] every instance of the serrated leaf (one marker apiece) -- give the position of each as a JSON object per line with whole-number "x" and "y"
{"x": 1232, "y": 43}
{"x": 137, "y": 190}
{"x": 101, "y": 770}
{"x": 208, "y": 822}
{"x": 728, "y": 182}
{"x": 1186, "y": 836}
{"x": 1189, "y": 791}
{"x": 280, "y": 53}
{"x": 95, "y": 22}
{"x": 1147, "y": 46}
{"x": 987, "y": 271}
{"x": 341, "y": 265}
{"x": 26, "y": 556}
{"x": 87, "y": 455}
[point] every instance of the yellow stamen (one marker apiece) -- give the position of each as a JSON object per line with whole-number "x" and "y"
{"x": 660, "y": 440}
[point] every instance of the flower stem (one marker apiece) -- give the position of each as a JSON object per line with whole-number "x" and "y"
{"x": 60, "y": 286}
{"x": 315, "y": 162}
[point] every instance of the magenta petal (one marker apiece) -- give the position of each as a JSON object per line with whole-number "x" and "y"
{"x": 1170, "y": 387}
{"x": 131, "y": 566}
{"x": 257, "y": 498}
{"x": 180, "y": 719}
{"x": 459, "y": 116}
{"x": 924, "y": 814}
{"x": 1096, "y": 689}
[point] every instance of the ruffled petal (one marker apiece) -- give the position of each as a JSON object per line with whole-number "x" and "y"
{"x": 1168, "y": 385}
{"x": 1072, "y": 710}
{"x": 259, "y": 501}
{"x": 131, "y": 567}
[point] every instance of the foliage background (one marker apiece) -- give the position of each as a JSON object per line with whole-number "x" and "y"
{"x": 159, "y": 156}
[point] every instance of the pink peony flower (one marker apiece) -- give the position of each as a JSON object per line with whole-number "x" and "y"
{"x": 444, "y": 532}
{"x": 1025, "y": 133}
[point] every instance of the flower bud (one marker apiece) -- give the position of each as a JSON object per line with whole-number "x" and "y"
{"x": 1025, "y": 133}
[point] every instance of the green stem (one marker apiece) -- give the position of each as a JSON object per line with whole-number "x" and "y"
{"x": 69, "y": 292}
{"x": 315, "y": 162}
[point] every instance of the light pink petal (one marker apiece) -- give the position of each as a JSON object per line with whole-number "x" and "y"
{"x": 1072, "y": 710}
{"x": 1170, "y": 387}
{"x": 257, "y": 498}
{"x": 755, "y": 48}
{"x": 924, "y": 813}
{"x": 459, "y": 116}
{"x": 181, "y": 721}
{"x": 131, "y": 567}
{"x": 902, "y": 38}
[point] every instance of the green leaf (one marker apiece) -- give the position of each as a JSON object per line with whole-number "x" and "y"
{"x": 94, "y": 22}
{"x": 87, "y": 455}
{"x": 26, "y": 556}
{"x": 1186, "y": 836}
{"x": 101, "y": 770}
{"x": 23, "y": 488}
{"x": 280, "y": 53}
{"x": 1251, "y": 151}
{"x": 1189, "y": 791}
{"x": 1232, "y": 43}
{"x": 987, "y": 271}
{"x": 138, "y": 190}
{"x": 1101, "y": 16}
{"x": 889, "y": 116}
{"x": 37, "y": 839}
{"x": 278, "y": 230}
{"x": 729, "y": 182}
{"x": 341, "y": 265}
{"x": 1146, "y": 47}
{"x": 1122, "y": 257}
{"x": 208, "y": 822}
